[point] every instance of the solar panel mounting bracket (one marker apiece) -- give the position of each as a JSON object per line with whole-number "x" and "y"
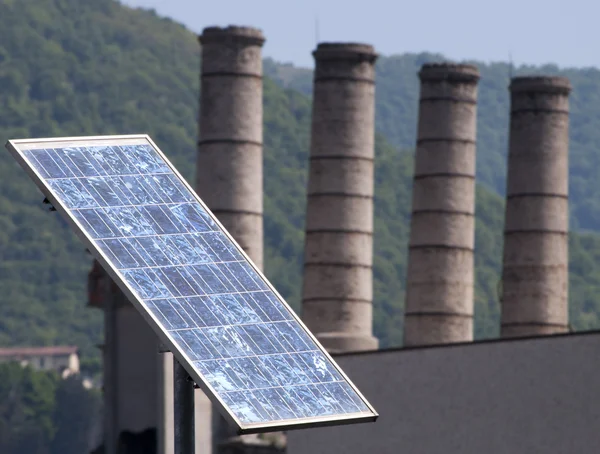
{"x": 47, "y": 202}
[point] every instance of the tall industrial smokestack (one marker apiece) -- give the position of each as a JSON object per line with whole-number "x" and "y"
{"x": 535, "y": 270}
{"x": 229, "y": 175}
{"x": 230, "y": 159}
{"x": 439, "y": 287}
{"x": 337, "y": 300}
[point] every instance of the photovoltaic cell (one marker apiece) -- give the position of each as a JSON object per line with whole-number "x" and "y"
{"x": 165, "y": 249}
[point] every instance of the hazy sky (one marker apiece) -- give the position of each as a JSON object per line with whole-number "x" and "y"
{"x": 565, "y": 32}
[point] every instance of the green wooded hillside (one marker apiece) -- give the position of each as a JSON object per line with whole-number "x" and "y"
{"x": 40, "y": 413}
{"x": 74, "y": 68}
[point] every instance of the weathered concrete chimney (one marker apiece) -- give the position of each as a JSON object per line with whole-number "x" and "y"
{"x": 439, "y": 287}
{"x": 337, "y": 300}
{"x": 229, "y": 175}
{"x": 535, "y": 270}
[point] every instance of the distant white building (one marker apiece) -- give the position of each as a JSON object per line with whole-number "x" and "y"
{"x": 62, "y": 359}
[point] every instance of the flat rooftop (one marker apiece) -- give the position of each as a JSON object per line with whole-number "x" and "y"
{"x": 504, "y": 396}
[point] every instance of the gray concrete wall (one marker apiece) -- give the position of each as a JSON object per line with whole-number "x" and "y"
{"x": 503, "y": 397}
{"x": 229, "y": 175}
{"x": 130, "y": 356}
{"x": 337, "y": 291}
{"x": 137, "y": 378}
{"x": 439, "y": 286}
{"x": 535, "y": 269}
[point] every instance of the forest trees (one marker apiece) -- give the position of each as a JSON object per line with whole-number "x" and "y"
{"x": 40, "y": 413}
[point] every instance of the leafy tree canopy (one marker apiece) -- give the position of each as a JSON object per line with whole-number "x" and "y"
{"x": 42, "y": 414}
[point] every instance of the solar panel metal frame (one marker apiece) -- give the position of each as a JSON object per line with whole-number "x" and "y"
{"x": 15, "y": 147}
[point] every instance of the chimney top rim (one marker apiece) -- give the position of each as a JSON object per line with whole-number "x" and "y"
{"x": 344, "y": 51}
{"x": 543, "y": 84}
{"x": 243, "y": 33}
{"x": 449, "y": 71}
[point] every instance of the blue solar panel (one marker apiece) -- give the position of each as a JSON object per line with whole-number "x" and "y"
{"x": 207, "y": 301}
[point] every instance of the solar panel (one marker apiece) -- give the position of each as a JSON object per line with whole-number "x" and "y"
{"x": 218, "y": 314}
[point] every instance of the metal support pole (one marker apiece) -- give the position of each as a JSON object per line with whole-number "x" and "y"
{"x": 184, "y": 410}
{"x": 111, "y": 359}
